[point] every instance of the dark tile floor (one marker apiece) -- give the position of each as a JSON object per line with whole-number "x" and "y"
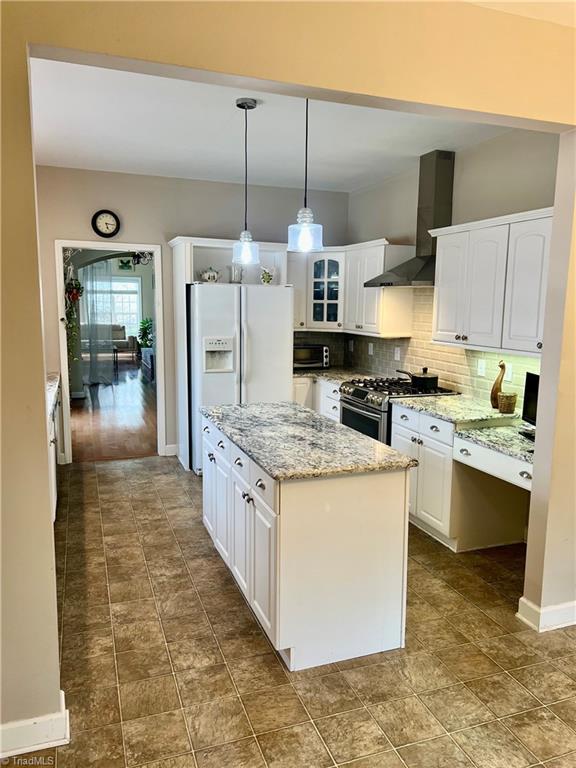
{"x": 163, "y": 664}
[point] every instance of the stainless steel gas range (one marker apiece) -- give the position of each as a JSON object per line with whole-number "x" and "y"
{"x": 365, "y": 403}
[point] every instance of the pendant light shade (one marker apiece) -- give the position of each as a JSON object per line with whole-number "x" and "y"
{"x": 305, "y": 236}
{"x": 245, "y": 251}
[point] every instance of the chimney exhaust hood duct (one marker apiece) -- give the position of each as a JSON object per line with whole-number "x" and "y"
{"x": 434, "y": 210}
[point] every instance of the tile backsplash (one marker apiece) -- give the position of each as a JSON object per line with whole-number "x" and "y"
{"x": 457, "y": 368}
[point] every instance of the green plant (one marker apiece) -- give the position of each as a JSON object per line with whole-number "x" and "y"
{"x": 146, "y": 332}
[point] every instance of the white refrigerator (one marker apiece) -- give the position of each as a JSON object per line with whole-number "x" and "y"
{"x": 240, "y": 350}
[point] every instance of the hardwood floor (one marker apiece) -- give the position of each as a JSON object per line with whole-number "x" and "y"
{"x": 117, "y": 421}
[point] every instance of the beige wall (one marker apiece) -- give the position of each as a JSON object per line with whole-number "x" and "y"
{"x": 380, "y": 50}
{"x": 153, "y": 210}
{"x": 507, "y": 174}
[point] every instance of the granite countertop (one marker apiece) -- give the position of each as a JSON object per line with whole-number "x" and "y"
{"x": 502, "y": 439}
{"x": 52, "y": 384}
{"x": 332, "y": 374}
{"x": 292, "y": 442}
{"x": 457, "y": 409}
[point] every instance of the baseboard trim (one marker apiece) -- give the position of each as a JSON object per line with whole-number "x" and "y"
{"x": 170, "y": 450}
{"x": 20, "y": 736}
{"x": 547, "y": 618}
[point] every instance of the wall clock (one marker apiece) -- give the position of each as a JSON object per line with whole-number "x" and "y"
{"x": 105, "y": 223}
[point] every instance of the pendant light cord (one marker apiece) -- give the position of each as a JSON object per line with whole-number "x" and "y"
{"x": 306, "y": 161}
{"x": 245, "y": 169}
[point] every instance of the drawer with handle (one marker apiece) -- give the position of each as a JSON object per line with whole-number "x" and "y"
{"x": 220, "y": 443}
{"x": 437, "y": 429}
{"x": 329, "y": 390}
{"x": 405, "y": 416}
{"x": 240, "y": 462}
{"x": 262, "y": 484}
{"x": 493, "y": 463}
{"x": 330, "y": 409}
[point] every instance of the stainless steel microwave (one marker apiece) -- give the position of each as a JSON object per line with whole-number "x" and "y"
{"x": 311, "y": 356}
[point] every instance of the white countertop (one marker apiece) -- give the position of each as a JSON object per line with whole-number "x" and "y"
{"x": 458, "y": 409}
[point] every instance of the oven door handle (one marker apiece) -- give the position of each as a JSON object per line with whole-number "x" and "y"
{"x": 375, "y": 415}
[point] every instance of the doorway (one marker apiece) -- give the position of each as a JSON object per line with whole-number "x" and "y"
{"x": 111, "y": 350}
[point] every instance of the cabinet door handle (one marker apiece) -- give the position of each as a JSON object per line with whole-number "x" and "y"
{"x": 211, "y": 457}
{"x": 414, "y": 439}
{"x": 221, "y": 444}
{"x": 249, "y": 500}
{"x": 457, "y": 337}
{"x": 525, "y": 475}
{"x": 335, "y": 392}
{"x": 420, "y": 442}
{"x": 245, "y": 495}
{"x": 301, "y": 324}
{"x": 465, "y": 452}
{"x": 403, "y": 417}
{"x": 206, "y": 429}
{"x": 539, "y": 345}
{"x": 339, "y": 325}
{"x": 464, "y": 338}
{"x": 334, "y": 407}
{"x": 238, "y": 462}
{"x": 53, "y": 441}
{"x": 260, "y": 484}
{"x": 434, "y": 428}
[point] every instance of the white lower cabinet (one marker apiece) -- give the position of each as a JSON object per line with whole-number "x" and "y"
{"x": 430, "y": 482}
{"x": 208, "y": 486}
{"x": 264, "y": 564}
{"x": 405, "y": 441}
{"x": 434, "y": 484}
{"x": 303, "y": 391}
{"x": 52, "y": 462}
{"x": 241, "y": 525}
{"x": 239, "y": 500}
{"x": 221, "y": 515}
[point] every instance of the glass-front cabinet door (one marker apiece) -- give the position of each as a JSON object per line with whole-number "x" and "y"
{"x": 326, "y": 290}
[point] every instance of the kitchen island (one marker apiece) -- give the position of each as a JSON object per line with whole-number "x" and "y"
{"x": 311, "y": 518}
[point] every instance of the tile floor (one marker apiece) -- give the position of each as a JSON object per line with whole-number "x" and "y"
{"x": 163, "y": 664}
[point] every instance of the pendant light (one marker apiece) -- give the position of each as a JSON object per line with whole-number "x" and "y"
{"x": 245, "y": 252}
{"x": 305, "y": 236}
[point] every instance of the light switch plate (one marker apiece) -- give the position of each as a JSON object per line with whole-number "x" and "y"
{"x": 370, "y": 348}
{"x": 508, "y": 374}
{"x": 396, "y": 353}
{"x": 481, "y": 367}
{"x": 350, "y": 345}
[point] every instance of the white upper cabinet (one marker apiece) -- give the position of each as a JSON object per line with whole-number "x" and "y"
{"x": 491, "y": 282}
{"x": 451, "y": 263}
{"x": 297, "y": 276}
{"x": 484, "y": 294}
{"x": 526, "y": 279}
{"x": 384, "y": 312}
{"x": 326, "y": 290}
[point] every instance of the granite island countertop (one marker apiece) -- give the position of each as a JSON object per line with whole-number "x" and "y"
{"x": 458, "y": 409}
{"x": 505, "y": 440}
{"x": 52, "y": 384}
{"x": 292, "y": 442}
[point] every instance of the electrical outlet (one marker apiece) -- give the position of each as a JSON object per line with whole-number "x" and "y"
{"x": 508, "y": 374}
{"x": 350, "y": 345}
{"x": 396, "y": 353}
{"x": 481, "y": 367}
{"x": 370, "y": 348}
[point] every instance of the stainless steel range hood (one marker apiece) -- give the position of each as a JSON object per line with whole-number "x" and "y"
{"x": 434, "y": 210}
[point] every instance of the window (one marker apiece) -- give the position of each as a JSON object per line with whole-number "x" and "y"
{"x": 121, "y": 304}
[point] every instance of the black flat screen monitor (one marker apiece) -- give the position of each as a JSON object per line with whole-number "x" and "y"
{"x": 530, "y": 398}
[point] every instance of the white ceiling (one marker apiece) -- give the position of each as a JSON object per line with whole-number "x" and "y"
{"x": 110, "y": 120}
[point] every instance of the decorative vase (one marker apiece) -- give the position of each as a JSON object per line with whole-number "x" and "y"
{"x": 497, "y": 386}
